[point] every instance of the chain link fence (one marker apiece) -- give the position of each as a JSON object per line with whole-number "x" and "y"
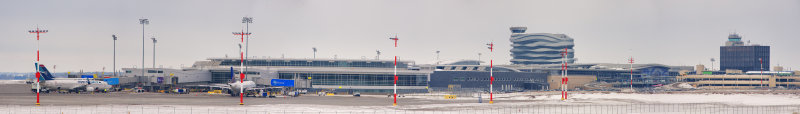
{"x": 521, "y": 109}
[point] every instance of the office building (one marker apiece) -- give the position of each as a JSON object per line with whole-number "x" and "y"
{"x": 740, "y": 56}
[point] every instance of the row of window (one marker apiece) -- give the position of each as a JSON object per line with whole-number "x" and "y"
{"x": 462, "y": 79}
{"x": 734, "y": 79}
{"x": 358, "y": 79}
{"x": 315, "y": 63}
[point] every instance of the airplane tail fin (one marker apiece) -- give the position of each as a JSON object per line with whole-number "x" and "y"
{"x": 232, "y": 76}
{"x": 45, "y": 73}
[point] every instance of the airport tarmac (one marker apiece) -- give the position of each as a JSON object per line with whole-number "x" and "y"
{"x": 25, "y": 97}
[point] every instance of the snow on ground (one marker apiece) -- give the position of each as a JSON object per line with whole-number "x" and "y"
{"x": 627, "y": 98}
{"x": 12, "y": 81}
{"x": 729, "y": 99}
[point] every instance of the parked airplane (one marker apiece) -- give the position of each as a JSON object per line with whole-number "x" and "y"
{"x": 50, "y": 83}
{"x": 237, "y": 87}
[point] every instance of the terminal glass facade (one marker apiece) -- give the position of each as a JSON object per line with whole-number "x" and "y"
{"x": 358, "y": 79}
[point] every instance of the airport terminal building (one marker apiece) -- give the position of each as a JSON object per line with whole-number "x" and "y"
{"x": 365, "y": 76}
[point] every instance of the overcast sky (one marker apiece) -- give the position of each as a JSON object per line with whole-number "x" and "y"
{"x": 671, "y": 32}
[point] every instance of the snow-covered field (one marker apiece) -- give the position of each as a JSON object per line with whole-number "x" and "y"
{"x": 12, "y": 81}
{"x": 577, "y": 104}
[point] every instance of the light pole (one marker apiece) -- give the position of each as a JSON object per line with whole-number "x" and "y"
{"x": 247, "y": 21}
{"x": 154, "y": 51}
{"x": 115, "y": 56}
{"x": 143, "y": 22}
{"x": 712, "y": 64}
{"x": 395, "y": 71}
{"x": 315, "y": 52}
{"x": 761, "y": 62}
{"x": 38, "y": 70}
{"x": 241, "y": 66}
{"x": 479, "y": 58}
{"x": 379, "y": 54}
{"x": 491, "y": 73}
{"x": 437, "y": 57}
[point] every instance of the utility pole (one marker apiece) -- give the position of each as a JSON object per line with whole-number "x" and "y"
{"x": 395, "y": 71}
{"x": 491, "y": 73}
{"x": 241, "y": 66}
{"x": 38, "y": 66}
{"x": 143, "y": 22}
{"x": 761, "y": 62}
{"x": 115, "y": 56}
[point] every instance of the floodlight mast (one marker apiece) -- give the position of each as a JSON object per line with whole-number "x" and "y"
{"x": 38, "y": 66}
{"x": 143, "y": 22}
{"x": 379, "y": 54}
{"x": 241, "y": 65}
{"x": 247, "y": 20}
{"x": 437, "y": 57}
{"x": 115, "y": 56}
{"x": 154, "y": 51}
{"x": 315, "y": 52}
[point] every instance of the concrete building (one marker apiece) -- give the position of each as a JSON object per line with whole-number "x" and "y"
{"x": 476, "y": 77}
{"x": 365, "y": 76}
{"x": 612, "y": 75}
{"x": 740, "y": 81}
{"x": 539, "y": 48}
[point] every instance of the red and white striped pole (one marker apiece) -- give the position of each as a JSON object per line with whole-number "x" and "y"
{"x": 564, "y": 78}
{"x": 491, "y": 73}
{"x": 38, "y": 73}
{"x": 395, "y": 82}
{"x": 241, "y": 66}
{"x": 395, "y": 72}
{"x": 631, "y": 61}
